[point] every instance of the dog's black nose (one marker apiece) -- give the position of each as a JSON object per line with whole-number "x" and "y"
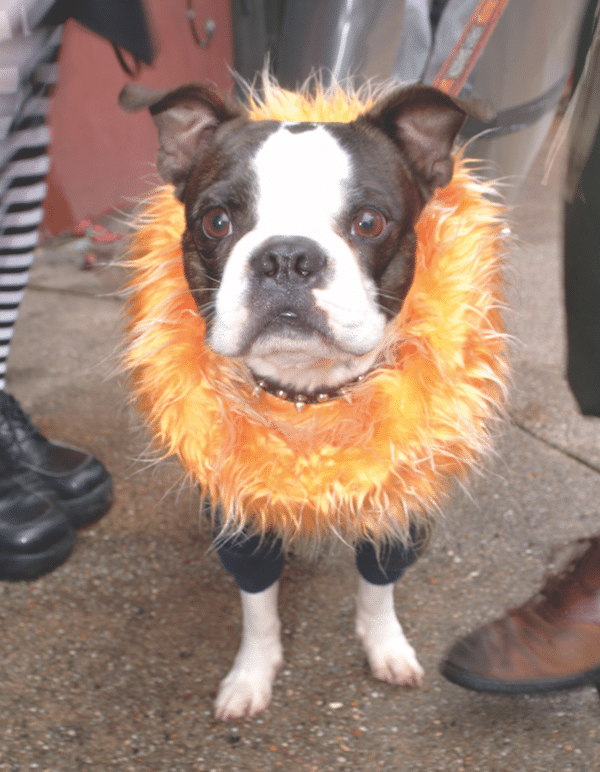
{"x": 289, "y": 261}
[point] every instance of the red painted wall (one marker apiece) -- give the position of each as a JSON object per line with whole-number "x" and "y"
{"x": 101, "y": 156}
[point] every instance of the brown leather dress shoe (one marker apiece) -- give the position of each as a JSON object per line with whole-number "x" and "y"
{"x": 550, "y": 643}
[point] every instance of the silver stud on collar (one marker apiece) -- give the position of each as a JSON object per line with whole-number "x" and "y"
{"x": 302, "y": 399}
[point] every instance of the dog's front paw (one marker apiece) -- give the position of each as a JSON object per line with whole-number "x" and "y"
{"x": 391, "y": 657}
{"x": 246, "y": 690}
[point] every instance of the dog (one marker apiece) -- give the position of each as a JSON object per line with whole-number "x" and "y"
{"x": 313, "y": 367}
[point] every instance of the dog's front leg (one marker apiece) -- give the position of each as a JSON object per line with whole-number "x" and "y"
{"x": 246, "y": 690}
{"x": 391, "y": 657}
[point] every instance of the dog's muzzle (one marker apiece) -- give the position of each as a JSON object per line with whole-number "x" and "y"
{"x": 284, "y": 271}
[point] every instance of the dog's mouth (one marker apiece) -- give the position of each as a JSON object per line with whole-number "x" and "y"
{"x": 288, "y": 323}
{"x": 291, "y": 331}
{"x": 300, "y": 362}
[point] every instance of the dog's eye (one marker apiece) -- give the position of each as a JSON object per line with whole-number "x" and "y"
{"x": 368, "y": 223}
{"x": 216, "y": 223}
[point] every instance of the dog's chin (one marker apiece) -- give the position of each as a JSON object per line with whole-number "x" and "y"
{"x": 305, "y": 363}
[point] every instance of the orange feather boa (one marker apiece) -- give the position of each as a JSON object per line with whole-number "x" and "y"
{"x": 366, "y": 468}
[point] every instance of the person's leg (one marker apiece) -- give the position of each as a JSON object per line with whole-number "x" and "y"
{"x": 25, "y": 92}
{"x": 582, "y": 286}
{"x": 582, "y": 227}
{"x": 35, "y": 535}
{"x": 552, "y": 641}
{"x": 79, "y": 482}
{"x": 46, "y": 489}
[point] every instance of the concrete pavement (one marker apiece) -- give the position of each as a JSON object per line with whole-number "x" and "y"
{"x": 112, "y": 661}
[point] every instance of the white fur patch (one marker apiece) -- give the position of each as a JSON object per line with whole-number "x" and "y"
{"x": 302, "y": 182}
{"x": 246, "y": 690}
{"x": 391, "y": 657}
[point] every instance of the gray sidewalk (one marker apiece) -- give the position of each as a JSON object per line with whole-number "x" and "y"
{"x": 112, "y": 661}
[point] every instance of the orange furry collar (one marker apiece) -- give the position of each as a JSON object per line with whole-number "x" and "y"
{"x": 364, "y": 468}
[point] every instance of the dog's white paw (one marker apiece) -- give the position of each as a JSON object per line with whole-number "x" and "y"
{"x": 246, "y": 690}
{"x": 391, "y": 657}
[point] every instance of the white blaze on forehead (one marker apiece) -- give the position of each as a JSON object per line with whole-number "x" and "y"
{"x": 301, "y": 183}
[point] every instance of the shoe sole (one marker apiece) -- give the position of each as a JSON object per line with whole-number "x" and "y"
{"x": 16, "y": 568}
{"x": 89, "y": 508}
{"x": 479, "y": 683}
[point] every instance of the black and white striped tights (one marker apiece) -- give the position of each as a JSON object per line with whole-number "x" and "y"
{"x": 28, "y": 72}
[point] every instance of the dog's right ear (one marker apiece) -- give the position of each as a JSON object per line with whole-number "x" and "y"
{"x": 186, "y": 118}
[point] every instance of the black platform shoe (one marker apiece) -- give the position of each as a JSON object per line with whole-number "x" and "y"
{"x": 74, "y": 479}
{"x": 35, "y": 535}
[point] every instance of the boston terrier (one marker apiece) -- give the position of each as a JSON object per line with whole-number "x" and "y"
{"x": 299, "y": 251}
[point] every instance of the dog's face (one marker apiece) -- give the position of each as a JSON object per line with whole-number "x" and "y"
{"x": 299, "y": 246}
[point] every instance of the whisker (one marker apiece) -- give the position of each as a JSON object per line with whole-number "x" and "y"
{"x": 203, "y": 289}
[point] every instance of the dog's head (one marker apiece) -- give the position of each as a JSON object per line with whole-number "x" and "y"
{"x": 299, "y": 244}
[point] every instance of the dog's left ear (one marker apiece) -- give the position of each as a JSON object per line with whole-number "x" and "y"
{"x": 424, "y": 123}
{"x": 186, "y": 118}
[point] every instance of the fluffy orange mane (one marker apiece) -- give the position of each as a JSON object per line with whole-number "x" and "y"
{"x": 366, "y": 467}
